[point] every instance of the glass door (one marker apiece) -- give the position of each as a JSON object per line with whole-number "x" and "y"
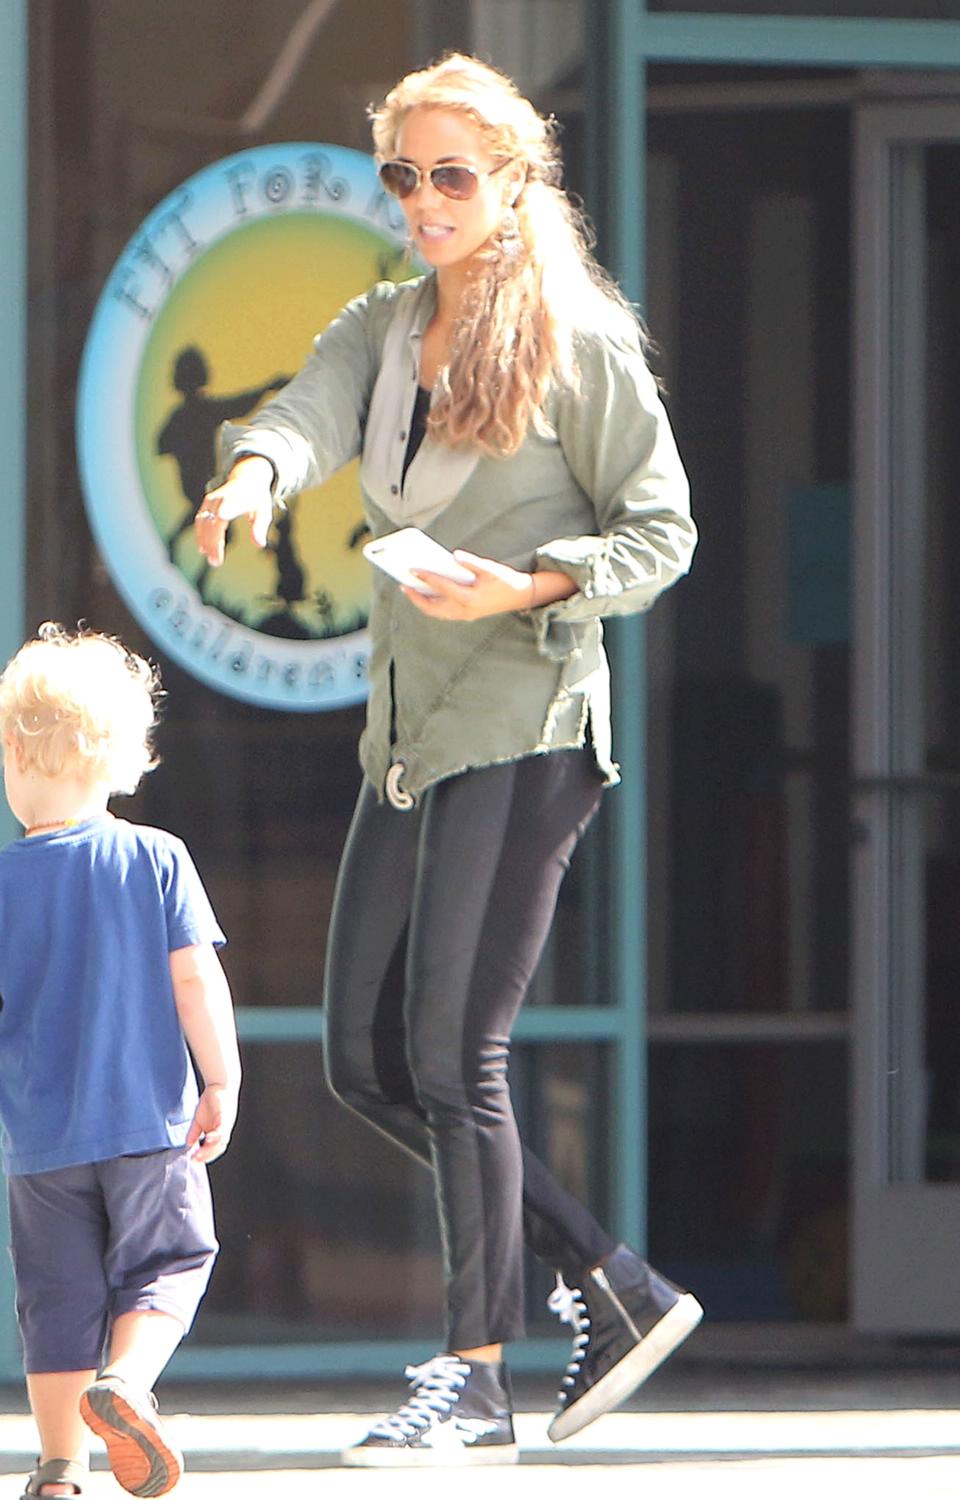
{"x": 905, "y": 831}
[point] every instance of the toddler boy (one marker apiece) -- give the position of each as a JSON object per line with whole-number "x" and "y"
{"x": 108, "y": 975}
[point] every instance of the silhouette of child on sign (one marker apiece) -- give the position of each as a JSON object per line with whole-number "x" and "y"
{"x": 189, "y": 434}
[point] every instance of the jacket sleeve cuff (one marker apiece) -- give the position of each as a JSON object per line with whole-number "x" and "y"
{"x": 555, "y": 636}
{"x": 601, "y": 590}
{"x": 585, "y": 560}
{"x": 286, "y": 452}
{"x": 556, "y": 639}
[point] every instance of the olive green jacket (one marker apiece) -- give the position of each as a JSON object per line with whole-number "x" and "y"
{"x": 601, "y": 496}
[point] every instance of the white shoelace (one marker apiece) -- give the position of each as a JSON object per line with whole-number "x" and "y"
{"x": 568, "y": 1305}
{"x": 436, "y": 1386}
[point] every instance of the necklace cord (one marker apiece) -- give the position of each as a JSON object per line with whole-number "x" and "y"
{"x": 49, "y": 827}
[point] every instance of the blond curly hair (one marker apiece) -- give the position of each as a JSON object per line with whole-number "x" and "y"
{"x": 81, "y": 705}
{"x": 537, "y": 283}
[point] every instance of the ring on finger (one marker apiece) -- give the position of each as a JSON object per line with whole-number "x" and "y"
{"x": 208, "y": 515}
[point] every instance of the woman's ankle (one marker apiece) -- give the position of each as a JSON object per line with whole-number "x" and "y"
{"x": 484, "y": 1354}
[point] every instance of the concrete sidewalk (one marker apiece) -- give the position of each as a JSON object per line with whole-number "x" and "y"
{"x": 710, "y": 1435}
{"x": 785, "y": 1479}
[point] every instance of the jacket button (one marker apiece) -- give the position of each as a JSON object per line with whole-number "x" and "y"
{"x": 394, "y": 489}
{"x": 403, "y": 437}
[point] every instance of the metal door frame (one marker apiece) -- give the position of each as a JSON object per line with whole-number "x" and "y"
{"x": 894, "y": 1209}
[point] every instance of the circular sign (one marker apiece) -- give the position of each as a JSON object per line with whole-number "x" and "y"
{"x": 210, "y": 309}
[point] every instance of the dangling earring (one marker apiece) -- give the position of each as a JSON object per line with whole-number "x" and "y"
{"x": 509, "y": 238}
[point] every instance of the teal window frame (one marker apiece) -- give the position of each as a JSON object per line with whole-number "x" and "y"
{"x": 624, "y": 38}
{"x": 13, "y": 317}
{"x": 14, "y": 65}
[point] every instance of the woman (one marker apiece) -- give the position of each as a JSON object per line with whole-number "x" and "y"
{"x": 503, "y": 403}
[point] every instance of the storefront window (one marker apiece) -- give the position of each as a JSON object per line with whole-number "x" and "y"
{"x": 330, "y": 1235}
{"x": 749, "y": 293}
{"x": 327, "y": 1233}
{"x": 749, "y": 1177}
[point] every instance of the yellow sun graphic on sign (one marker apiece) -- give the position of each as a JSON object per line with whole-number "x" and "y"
{"x": 238, "y": 323}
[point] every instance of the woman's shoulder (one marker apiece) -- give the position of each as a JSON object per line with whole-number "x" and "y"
{"x": 610, "y": 360}
{"x": 611, "y": 373}
{"x": 385, "y": 297}
{"x": 368, "y": 316}
{"x": 608, "y": 328}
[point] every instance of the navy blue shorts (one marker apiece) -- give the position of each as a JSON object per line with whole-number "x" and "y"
{"x": 91, "y": 1242}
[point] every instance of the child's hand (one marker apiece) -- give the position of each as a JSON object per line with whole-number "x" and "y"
{"x": 209, "y": 1134}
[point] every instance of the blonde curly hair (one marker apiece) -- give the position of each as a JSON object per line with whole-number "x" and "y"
{"x": 81, "y": 705}
{"x": 514, "y": 338}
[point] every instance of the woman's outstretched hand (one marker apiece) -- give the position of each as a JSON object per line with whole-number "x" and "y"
{"x": 496, "y": 589}
{"x": 246, "y": 491}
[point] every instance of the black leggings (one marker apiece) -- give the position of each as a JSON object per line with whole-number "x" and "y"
{"x": 439, "y": 920}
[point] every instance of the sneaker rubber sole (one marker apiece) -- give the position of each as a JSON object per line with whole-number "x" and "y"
{"x": 141, "y": 1457}
{"x": 631, "y": 1371}
{"x": 430, "y": 1458}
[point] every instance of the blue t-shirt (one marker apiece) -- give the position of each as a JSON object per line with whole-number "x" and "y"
{"x": 93, "y": 1062}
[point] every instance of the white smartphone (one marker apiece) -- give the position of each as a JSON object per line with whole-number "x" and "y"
{"x": 399, "y": 551}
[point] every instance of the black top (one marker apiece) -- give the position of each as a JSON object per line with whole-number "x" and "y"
{"x": 418, "y": 427}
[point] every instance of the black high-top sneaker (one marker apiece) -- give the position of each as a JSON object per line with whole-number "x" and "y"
{"x": 459, "y": 1412}
{"x": 626, "y": 1320}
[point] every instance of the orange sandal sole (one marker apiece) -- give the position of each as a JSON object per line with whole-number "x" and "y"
{"x": 143, "y": 1460}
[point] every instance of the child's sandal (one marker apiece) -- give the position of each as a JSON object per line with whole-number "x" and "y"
{"x": 142, "y": 1455}
{"x": 56, "y": 1471}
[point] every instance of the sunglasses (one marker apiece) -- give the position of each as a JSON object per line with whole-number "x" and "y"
{"x": 403, "y": 178}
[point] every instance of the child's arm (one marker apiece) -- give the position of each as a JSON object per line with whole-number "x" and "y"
{"x": 205, "y": 1010}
